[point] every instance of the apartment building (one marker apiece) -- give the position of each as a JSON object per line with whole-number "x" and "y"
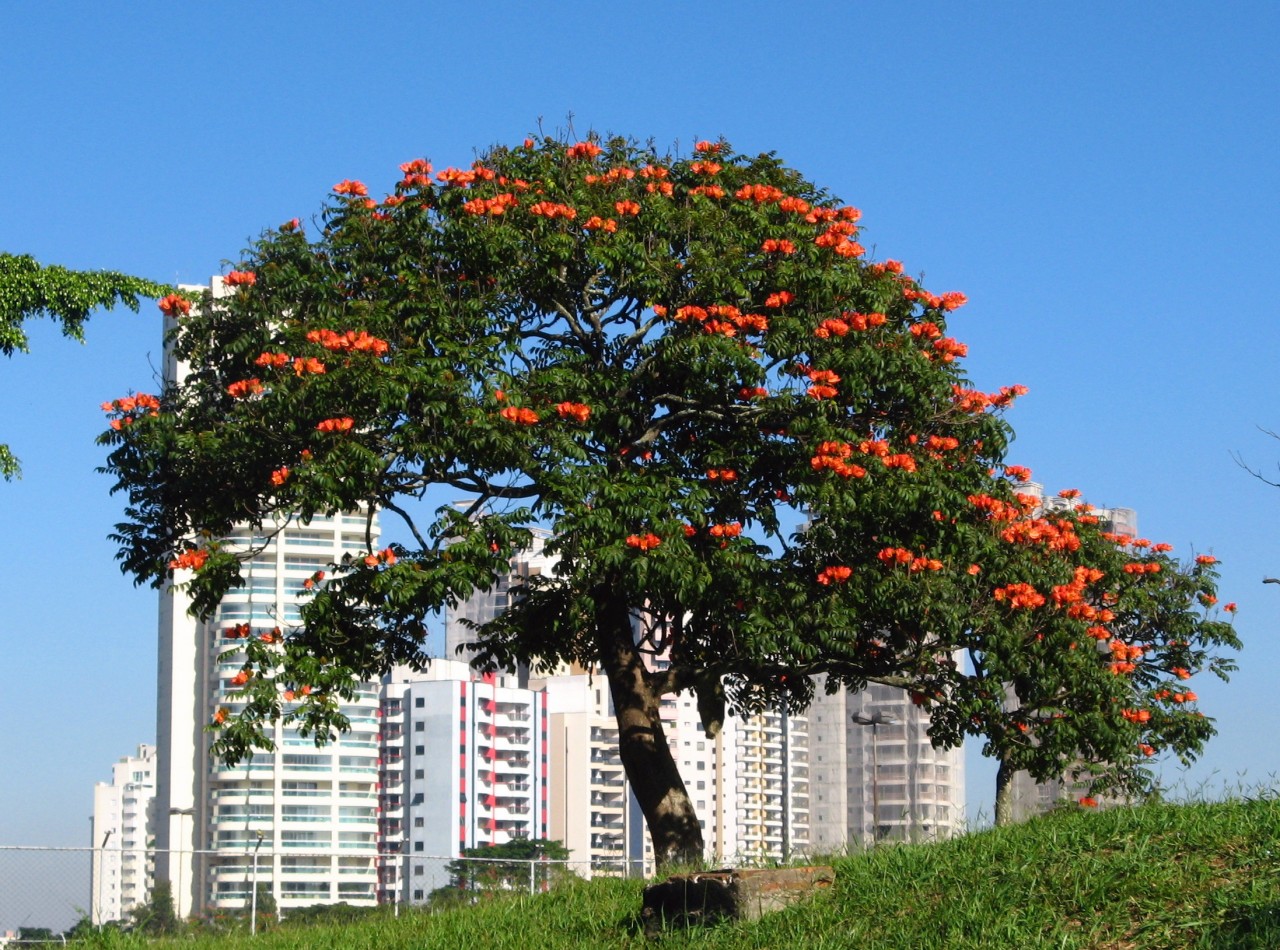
{"x": 122, "y": 871}
{"x": 876, "y": 775}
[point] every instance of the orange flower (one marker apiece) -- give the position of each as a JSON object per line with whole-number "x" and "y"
{"x": 280, "y": 476}
{"x": 524, "y": 417}
{"x": 240, "y": 678}
{"x": 597, "y": 223}
{"x": 627, "y": 207}
{"x": 730, "y": 530}
{"x": 1206, "y": 559}
{"x": 190, "y": 559}
{"x": 1019, "y": 596}
{"x": 552, "y": 210}
{"x": 173, "y": 305}
{"x": 834, "y": 575}
{"x": 1088, "y": 802}
{"x": 220, "y": 715}
{"x": 721, "y": 475}
{"x": 1180, "y": 672}
{"x": 239, "y": 278}
{"x": 583, "y": 150}
{"x": 348, "y": 342}
{"x": 643, "y": 542}
{"x": 706, "y": 147}
{"x": 339, "y": 424}
{"x": 779, "y": 299}
{"x": 760, "y": 194}
{"x": 244, "y": 388}
{"x": 778, "y": 246}
{"x": 356, "y": 189}
{"x": 272, "y": 359}
{"x": 574, "y": 410}
{"x": 307, "y": 364}
{"x": 1230, "y": 608}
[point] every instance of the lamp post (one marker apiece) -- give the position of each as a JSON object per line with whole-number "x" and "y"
{"x": 180, "y": 813}
{"x": 875, "y": 721}
{"x": 101, "y": 855}
{"x": 253, "y": 893}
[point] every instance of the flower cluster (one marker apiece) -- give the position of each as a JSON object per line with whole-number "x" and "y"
{"x": 553, "y": 210}
{"x": 349, "y": 342}
{"x": 493, "y": 207}
{"x": 132, "y": 407}
{"x": 824, "y": 383}
{"x": 240, "y": 278}
{"x": 244, "y": 388}
{"x": 574, "y": 410}
{"x": 583, "y": 150}
{"x": 1019, "y": 596}
{"x": 777, "y": 246}
{"x": 521, "y": 416}
{"x": 385, "y": 556}
{"x": 339, "y": 424}
{"x": 914, "y": 563}
{"x": 721, "y": 475}
{"x": 355, "y": 189}
{"x": 833, "y": 456}
{"x": 174, "y": 306}
{"x": 191, "y": 559}
{"x": 834, "y": 575}
{"x": 643, "y": 542}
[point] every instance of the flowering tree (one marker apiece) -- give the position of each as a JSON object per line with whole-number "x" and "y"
{"x": 29, "y": 290}
{"x": 756, "y": 452}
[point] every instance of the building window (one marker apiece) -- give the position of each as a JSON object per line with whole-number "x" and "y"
{"x": 419, "y": 750}
{"x": 419, "y": 773}
{"x": 419, "y": 726}
{"x": 419, "y": 822}
{"x": 419, "y": 702}
{"x": 417, "y": 846}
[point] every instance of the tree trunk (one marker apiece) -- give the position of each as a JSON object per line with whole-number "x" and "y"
{"x": 1004, "y": 793}
{"x": 651, "y": 769}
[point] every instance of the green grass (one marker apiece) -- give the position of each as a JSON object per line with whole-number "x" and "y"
{"x": 1156, "y": 876}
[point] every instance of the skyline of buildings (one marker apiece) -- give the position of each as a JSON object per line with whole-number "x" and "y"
{"x": 536, "y": 757}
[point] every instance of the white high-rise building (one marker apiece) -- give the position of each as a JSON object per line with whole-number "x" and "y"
{"x": 875, "y": 773}
{"x": 121, "y": 873}
{"x": 310, "y": 814}
{"x": 314, "y": 809}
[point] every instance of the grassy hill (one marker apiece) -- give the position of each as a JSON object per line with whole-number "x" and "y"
{"x": 1155, "y": 876}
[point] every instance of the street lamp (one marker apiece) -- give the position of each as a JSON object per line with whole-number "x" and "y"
{"x": 180, "y": 813}
{"x": 875, "y": 721}
{"x": 101, "y": 855}
{"x": 253, "y": 894}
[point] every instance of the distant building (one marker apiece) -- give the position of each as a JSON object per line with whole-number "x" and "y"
{"x": 475, "y": 767}
{"x": 122, "y": 871}
{"x": 876, "y": 775}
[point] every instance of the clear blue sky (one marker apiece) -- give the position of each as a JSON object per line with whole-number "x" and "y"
{"x": 1099, "y": 178}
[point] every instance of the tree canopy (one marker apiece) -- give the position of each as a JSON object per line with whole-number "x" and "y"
{"x": 756, "y": 452}
{"x": 29, "y": 290}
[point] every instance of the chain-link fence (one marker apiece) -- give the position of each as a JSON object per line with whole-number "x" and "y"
{"x": 48, "y": 891}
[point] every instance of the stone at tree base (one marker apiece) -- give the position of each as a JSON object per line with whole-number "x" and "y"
{"x": 683, "y": 900}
